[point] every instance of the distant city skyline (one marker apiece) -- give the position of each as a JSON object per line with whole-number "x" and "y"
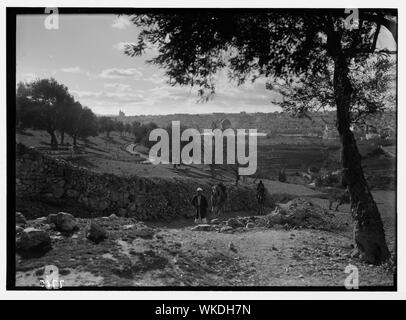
{"x": 85, "y": 54}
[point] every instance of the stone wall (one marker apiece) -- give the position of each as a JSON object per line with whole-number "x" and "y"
{"x": 45, "y": 184}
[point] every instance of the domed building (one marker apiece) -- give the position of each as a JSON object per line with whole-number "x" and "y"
{"x": 225, "y": 124}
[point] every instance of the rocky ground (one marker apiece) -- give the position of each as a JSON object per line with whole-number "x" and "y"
{"x": 298, "y": 244}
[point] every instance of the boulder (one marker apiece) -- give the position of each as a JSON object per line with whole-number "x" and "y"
{"x": 20, "y": 219}
{"x": 51, "y": 218}
{"x": 215, "y": 221}
{"x": 33, "y": 242}
{"x": 65, "y": 222}
{"x": 235, "y": 223}
{"x": 96, "y": 233}
{"x": 112, "y": 216}
{"x": 41, "y": 220}
{"x": 202, "y": 227}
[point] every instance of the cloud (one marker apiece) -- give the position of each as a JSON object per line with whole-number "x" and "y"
{"x": 73, "y": 70}
{"x": 115, "y": 73}
{"x": 157, "y": 78}
{"x": 121, "y": 22}
{"x": 92, "y": 97}
{"x": 118, "y": 86}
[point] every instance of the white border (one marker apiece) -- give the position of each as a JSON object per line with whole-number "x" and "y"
{"x": 191, "y": 295}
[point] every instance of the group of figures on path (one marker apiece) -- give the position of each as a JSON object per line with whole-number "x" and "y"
{"x": 218, "y": 198}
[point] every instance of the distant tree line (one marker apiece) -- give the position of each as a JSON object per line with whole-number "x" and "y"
{"x": 45, "y": 104}
{"x": 139, "y": 131}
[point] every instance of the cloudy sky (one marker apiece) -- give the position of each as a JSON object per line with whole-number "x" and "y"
{"x": 85, "y": 54}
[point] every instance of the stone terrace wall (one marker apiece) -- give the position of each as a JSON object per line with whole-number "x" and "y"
{"x": 45, "y": 184}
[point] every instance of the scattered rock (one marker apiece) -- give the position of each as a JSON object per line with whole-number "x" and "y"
{"x": 202, "y": 227}
{"x": 64, "y": 272}
{"x": 33, "y": 242}
{"x": 46, "y": 227}
{"x": 128, "y": 226}
{"x": 20, "y": 219}
{"x": 277, "y": 226}
{"x": 250, "y": 225}
{"x": 65, "y": 222}
{"x": 39, "y": 272}
{"x": 19, "y": 229}
{"x": 143, "y": 233}
{"x": 232, "y": 247}
{"x": 96, "y": 233}
{"x": 235, "y": 223}
{"x": 226, "y": 229}
{"x": 301, "y": 213}
{"x": 355, "y": 253}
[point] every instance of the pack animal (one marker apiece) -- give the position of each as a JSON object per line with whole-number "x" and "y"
{"x": 336, "y": 195}
{"x": 218, "y": 199}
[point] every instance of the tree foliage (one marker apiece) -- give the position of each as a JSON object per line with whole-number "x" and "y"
{"x": 107, "y": 125}
{"x": 42, "y": 104}
{"x": 45, "y": 104}
{"x": 373, "y": 83}
{"x": 193, "y": 46}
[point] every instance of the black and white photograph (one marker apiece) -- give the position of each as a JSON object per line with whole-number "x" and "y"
{"x": 182, "y": 148}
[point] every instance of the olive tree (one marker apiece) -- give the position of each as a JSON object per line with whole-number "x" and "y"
{"x": 192, "y": 46}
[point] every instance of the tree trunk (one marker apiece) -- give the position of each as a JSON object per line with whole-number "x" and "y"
{"x": 74, "y": 140}
{"x": 369, "y": 235}
{"x": 62, "y": 137}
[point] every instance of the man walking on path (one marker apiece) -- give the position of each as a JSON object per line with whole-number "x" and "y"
{"x": 260, "y": 197}
{"x": 199, "y": 201}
